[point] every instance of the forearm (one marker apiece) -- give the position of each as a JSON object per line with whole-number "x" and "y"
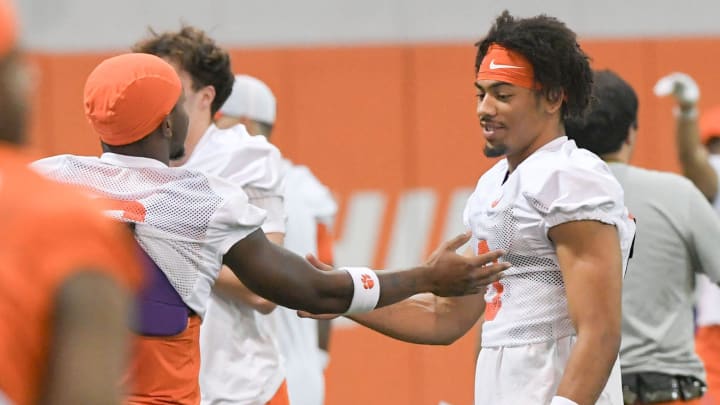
{"x": 228, "y": 286}
{"x": 425, "y": 318}
{"x": 289, "y": 280}
{"x": 589, "y": 365}
{"x": 89, "y": 343}
{"x": 693, "y": 156}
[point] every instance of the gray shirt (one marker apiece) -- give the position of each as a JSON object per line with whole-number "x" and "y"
{"x": 678, "y": 234}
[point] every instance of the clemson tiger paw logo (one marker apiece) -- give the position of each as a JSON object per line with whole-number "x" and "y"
{"x": 367, "y": 281}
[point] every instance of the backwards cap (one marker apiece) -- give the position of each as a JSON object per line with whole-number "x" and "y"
{"x": 128, "y": 96}
{"x": 8, "y": 27}
{"x": 250, "y": 98}
{"x": 710, "y": 125}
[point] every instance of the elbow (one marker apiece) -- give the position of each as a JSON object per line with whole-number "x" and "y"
{"x": 446, "y": 340}
{"x": 264, "y": 306}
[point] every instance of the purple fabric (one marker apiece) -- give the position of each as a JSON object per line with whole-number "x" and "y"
{"x": 161, "y": 311}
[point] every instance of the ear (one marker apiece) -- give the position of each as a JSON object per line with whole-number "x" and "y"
{"x": 167, "y": 127}
{"x": 632, "y": 136}
{"x": 554, "y": 100}
{"x": 207, "y": 96}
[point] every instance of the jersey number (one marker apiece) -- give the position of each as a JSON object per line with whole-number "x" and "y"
{"x": 492, "y": 307}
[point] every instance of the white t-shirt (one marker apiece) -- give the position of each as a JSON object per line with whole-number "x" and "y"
{"x": 241, "y": 363}
{"x": 527, "y": 309}
{"x": 707, "y": 292}
{"x": 309, "y": 204}
{"x": 184, "y": 220}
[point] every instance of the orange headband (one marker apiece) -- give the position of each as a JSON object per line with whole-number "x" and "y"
{"x": 508, "y": 66}
{"x": 8, "y": 27}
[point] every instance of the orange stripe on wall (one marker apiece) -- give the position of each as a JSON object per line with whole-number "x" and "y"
{"x": 390, "y": 118}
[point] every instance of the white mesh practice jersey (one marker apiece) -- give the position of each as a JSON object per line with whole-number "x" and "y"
{"x": 184, "y": 220}
{"x": 241, "y": 360}
{"x": 558, "y": 183}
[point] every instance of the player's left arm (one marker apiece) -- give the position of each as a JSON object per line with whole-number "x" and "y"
{"x": 89, "y": 343}
{"x": 590, "y": 259}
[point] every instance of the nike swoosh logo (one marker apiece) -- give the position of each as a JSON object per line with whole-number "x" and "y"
{"x": 494, "y": 66}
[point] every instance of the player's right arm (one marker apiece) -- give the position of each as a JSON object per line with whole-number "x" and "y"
{"x": 694, "y": 158}
{"x": 289, "y": 280}
{"x": 426, "y": 318}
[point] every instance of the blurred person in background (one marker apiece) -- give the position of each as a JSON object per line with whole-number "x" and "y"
{"x": 189, "y": 224}
{"x": 551, "y": 333}
{"x": 677, "y": 235}
{"x": 241, "y": 360}
{"x": 698, "y": 146}
{"x": 311, "y": 210}
{"x": 67, "y": 274}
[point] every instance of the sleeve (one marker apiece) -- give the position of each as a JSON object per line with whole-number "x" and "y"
{"x": 261, "y": 175}
{"x": 704, "y": 230}
{"x": 234, "y": 219}
{"x": 578, "y": 192}
{"x": 274, "y": 206}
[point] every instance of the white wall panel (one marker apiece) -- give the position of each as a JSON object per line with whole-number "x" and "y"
{"x": 64, "y": 25}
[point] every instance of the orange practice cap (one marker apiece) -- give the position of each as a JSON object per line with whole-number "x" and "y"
{"x": 8, "y": 27}
{"x": 508, "y": 66}
{"x": 710, "y": 125}
{"x": 128, "y": 96}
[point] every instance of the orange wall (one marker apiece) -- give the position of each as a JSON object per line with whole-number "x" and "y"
{"x": 390, "y": 118}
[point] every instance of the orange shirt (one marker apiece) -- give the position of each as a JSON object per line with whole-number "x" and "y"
{"x": 49, "y": 232}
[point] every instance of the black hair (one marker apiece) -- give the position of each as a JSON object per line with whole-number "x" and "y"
{"x": 612, "y": 112}
{"x": 558, "y": 62}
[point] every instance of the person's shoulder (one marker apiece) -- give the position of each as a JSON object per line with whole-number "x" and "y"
{"x": 237, "y": 137}
{"x": 233, "y": 154}
{"x": 569, "y": 174}
{"x": 563, "y": 158}
{"x": 672, "y": 181}
{"x": 496, "y": 171}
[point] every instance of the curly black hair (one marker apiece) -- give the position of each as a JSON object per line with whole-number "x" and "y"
{"x": 552, "y": 49}
{"x": 197, "y": 54}
{"x": 612, "y": 112}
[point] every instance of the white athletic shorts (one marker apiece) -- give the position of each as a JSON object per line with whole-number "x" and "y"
{"x": 530, "y": 374}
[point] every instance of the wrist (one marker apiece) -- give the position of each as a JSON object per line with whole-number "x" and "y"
{"x": 423, "y": 275}
{"x": 366, "y": 290}
{"x": 558, "y": 400}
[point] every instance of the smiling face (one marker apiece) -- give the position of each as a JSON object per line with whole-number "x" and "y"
{"x": 516, "y": 121}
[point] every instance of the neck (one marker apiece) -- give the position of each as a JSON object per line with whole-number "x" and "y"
{"x": 133, "y": 150}
{"x": 196, "y": 130}
{"x": 541, "y": 140}
{"x": 154, "y": 146}
{"x": 620, "y": 156}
